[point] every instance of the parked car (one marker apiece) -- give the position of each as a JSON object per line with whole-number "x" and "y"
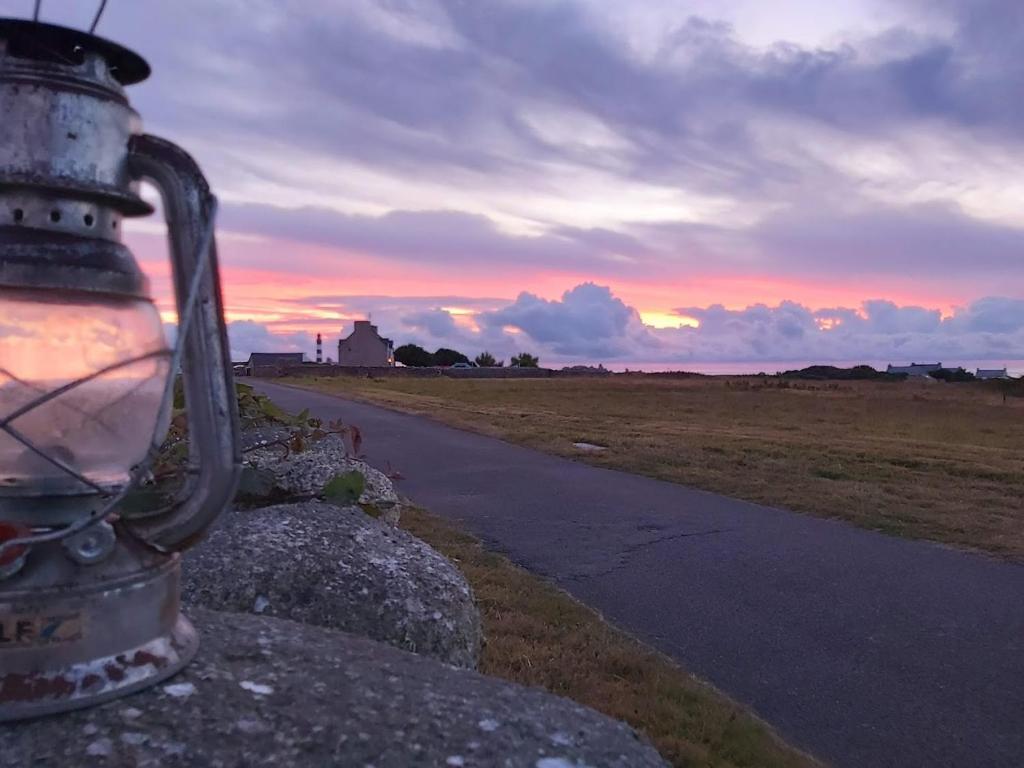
{"x": 464, "y": 365}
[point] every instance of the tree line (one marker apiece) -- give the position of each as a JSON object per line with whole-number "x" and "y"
{"x": 417, "y": 357}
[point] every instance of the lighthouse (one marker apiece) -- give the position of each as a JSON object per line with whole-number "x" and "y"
{"x": 319, "y": 349}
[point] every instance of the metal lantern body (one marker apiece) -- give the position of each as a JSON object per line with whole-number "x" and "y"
{"x": 89, "y": 599}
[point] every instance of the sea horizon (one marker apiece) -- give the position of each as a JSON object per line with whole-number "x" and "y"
{"x": 750, "y": 368}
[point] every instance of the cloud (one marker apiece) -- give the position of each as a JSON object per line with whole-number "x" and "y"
{"x": 478, "y": 93}
{"x": 541, "y": 140}
{"x": 587, "y": 321}
{"x": 424, "y": 320}
{"x": 883, "y": 317}
{"x": 828, "y": 239}
{"x": 247, "y": 336}
{"x": 935, "y": 242}
{"x": 437, "y": 322}
{"x": 912, "y": 238}
{"x": 590, "y": 324}
{"x": 994, "y": 314}
{"x": 450, "y": 238}
{"x": 990, "y": 328}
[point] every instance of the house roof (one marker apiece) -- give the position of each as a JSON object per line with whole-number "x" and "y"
{"x": 366, "y": 324}
{"x": 915, "y": 367}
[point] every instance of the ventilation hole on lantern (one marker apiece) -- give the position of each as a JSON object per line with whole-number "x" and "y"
{"x": 19, "y": 215}
{"x": 88, "y": 219}
{"x": 113, "y": 224}
{"x": 54, "y": 215}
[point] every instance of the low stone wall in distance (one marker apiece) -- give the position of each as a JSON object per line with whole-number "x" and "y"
{"x": 455, "y": 373}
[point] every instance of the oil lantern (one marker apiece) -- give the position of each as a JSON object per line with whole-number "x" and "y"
{"x": 88, "y": 590}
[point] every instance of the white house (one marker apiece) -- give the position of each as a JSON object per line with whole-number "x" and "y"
{"x": 992, "y": 373}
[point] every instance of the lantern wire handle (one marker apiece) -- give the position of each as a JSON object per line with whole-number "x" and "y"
{"x": 35, "y": 13}
{"x": 58, "y": 463}
{"x": 95, "y": 418}
{"x": 55, "y": 393}
{"x": 99, "y": 14}
{"x": 184, "y": 321}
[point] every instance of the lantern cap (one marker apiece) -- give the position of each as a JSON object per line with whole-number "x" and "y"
{"x": 67, "y": 46}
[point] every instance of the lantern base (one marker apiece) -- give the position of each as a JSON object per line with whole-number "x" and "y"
{"x": 75, "y": 635}
{"x": 92, "y": 682}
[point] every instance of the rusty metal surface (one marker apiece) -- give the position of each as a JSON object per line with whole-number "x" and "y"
{"x": 91, "y": 682}
{"x": 64, "y": 179}
{"x": 65, "y": 132}
{"x": 81, "y": 629}
{"x": 58, "y": 192}
{"x": 64, "y": 44}
{"x": 37, "y": 259}
{"x": 72, "y": 635}
{"x": 214, "y": 444}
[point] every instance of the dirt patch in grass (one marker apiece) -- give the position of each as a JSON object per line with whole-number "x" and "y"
{"x": 537, "y": 635}
{"x": 919, "y": 459}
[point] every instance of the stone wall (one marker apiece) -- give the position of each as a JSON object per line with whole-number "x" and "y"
{"x": 365, "y": 372}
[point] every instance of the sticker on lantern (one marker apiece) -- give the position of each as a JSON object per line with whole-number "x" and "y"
{"x": 41, "y": 630}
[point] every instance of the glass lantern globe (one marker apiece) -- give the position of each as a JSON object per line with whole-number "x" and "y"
{"x": 83, "y": 374}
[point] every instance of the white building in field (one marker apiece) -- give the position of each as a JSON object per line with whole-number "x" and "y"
{"x": 992, "y": 373}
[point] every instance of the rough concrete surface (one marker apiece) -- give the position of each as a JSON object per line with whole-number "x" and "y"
{"x": 269, "y": 692}
{"x": 336, "y": 567}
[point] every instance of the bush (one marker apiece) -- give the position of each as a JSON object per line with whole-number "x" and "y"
{"x": 486, "y": 360}
{"x": 952, "y": 374}
{"x": 830, "y": 372}
{"x": 449, "y": 357}
{"x": 414, "y": 356}
{"x": 525, "y": 360}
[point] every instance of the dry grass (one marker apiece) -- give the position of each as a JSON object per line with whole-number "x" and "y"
{"x": 919, "y": 459}
{"x": 539, "y": 636}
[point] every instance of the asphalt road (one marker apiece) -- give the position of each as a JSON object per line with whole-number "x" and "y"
{"x": 864, "y": 650}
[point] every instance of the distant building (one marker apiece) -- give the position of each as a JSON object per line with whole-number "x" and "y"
{"x": 992, "y": 373}
{"x": 915, "y": 369}
{"x": 365, "y": 347}
{"x": 271, "y": 363}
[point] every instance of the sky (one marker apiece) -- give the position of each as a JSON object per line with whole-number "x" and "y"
{"x": 661, "y": 181}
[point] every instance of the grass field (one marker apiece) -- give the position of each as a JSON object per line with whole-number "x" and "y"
{"x": 537, "y": 635}
{"x": 918, "y": 459}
